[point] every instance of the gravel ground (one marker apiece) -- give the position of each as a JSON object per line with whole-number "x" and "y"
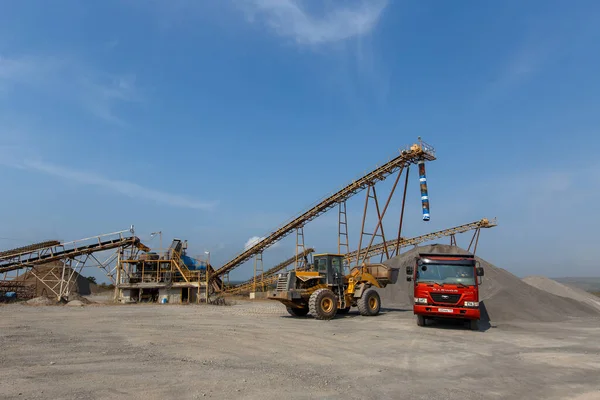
{"x": 253, "y": 350}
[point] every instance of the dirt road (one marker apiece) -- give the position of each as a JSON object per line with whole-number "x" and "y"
{"x": 255, "y": 351}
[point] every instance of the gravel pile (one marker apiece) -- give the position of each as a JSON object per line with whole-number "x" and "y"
{"x": 559, "y": 289}
{"x": 504, "y": 297}
{"x": 79, "y": 298}
{"x": 41, "y": 301}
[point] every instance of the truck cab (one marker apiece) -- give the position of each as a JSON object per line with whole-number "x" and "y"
{"x": 446, "y": 286}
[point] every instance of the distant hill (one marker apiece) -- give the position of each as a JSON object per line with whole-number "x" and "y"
{"x": 590, "y": 284}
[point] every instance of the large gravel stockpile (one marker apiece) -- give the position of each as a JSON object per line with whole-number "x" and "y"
{"x": 504, "y": 297}
{"x": 559, "y": 289}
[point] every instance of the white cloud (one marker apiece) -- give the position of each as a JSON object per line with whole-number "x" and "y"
{"x": 254, "y": 240}
{"x": 125, "y": 188}
{"x": 289, "y": 18}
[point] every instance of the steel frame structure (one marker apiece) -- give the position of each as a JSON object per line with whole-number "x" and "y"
{"x": 72, "y": 256}
{"x": 258, "y": 273}
{"x": 396, "y": 244}
{"x": 343, "y": 241}
{"x": 420, "y": 151}
{"x": 300, "y": 248}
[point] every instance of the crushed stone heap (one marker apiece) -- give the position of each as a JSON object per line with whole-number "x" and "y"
{"x": 504, "y": 296}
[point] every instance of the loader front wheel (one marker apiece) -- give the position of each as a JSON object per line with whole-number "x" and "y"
{"x": 369, "y": 304}
{"x": 323, "y": 304}
{"x": 297, "y": 312}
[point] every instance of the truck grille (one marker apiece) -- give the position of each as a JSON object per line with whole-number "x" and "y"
{"x": 282, "y": 283}
{"x": 445, "y": 298}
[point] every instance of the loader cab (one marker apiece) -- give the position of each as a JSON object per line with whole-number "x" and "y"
{"x": 329, "y": 266}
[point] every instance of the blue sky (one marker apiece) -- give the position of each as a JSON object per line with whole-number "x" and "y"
{"x": 218, "y": 121}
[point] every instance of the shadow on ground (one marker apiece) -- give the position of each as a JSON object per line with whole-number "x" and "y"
{"x": 459, "y": 324}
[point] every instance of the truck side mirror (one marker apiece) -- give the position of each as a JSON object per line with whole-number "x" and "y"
{"x": 479, "y": 271}
{"x": 409, "y": 270}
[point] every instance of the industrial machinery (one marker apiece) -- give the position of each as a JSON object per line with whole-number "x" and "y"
{"x": 270, "y": 277}
{"x": 446, "y": 286}
{"x": 323, "y": 290}
{"x": 417, "y": 153}
{"x": 69, "y": 258}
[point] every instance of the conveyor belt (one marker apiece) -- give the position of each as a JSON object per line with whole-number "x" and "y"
{"x": 28, "y": 248}
{"x": 411, "y": 155}
{"x": 379, "y": 249}
{"x": 273, "y": 271}
{"x": 68, "y": 250}
{"x": 270, "y": 277}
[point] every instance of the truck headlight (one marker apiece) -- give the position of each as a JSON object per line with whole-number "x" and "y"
{"x": 420, "y": 300}
{"x": 471, "y": 304}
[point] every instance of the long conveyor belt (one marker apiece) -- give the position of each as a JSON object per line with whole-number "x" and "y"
{"x": 408, "y": 156}
{"x": 69, "y": 250}
{"x": 379, "y": 248}
{"x": 269, "y": 279}
{"x": 27, "y": 249}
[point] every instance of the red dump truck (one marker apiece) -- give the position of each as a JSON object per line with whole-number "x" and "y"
{"x": 446, "y": 286}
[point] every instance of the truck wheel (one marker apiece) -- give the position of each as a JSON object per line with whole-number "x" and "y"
{"x": 474, "y": 325}
{"x": 370, "y": 303}
{"x": 421, "y": 321}
{"x": 323, "y": 304}
{"x": 297, "y": 312}
{"x": 344, "y": 310}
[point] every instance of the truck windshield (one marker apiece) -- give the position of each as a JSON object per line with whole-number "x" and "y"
{"x": 443, "y": 273}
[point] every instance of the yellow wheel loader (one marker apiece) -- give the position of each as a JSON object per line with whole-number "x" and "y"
{"x": 322, "y": 289}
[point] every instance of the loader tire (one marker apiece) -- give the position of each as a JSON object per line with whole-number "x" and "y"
{"x": 369, "y": 303}
{"x": 323, "y": 304}
{"x": 297, "y": 312}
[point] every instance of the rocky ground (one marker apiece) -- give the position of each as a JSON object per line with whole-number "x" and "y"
{"x": 253, "y": 350}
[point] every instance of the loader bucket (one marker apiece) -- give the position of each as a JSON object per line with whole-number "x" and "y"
{"x": 384, "y": 274}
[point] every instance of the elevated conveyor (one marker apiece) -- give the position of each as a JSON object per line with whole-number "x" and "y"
{"x": 28, "y": 248}
{"x": 392, "y": 245}
{"x": 55, "y": 252}
{"x": 410, "y": 155}
{"x": 247, "y": 285}
{"x": 374, "y": 251}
